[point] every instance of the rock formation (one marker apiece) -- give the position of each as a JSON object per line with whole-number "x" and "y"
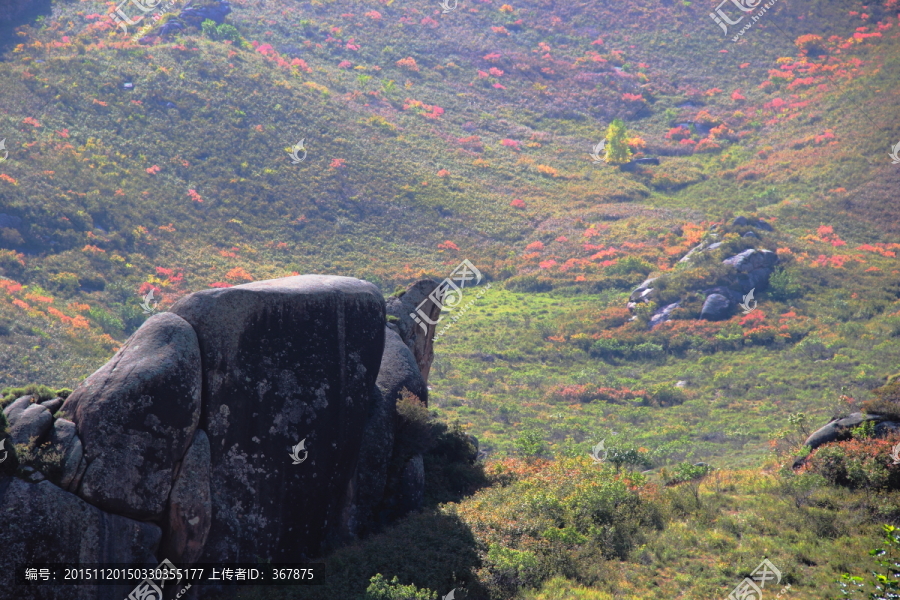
{"x": 180, "y": 447}
{"x": 748, "y": 270}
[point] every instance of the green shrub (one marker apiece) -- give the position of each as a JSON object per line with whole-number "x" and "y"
{"x": 628, "y": 265}
{"x": 451, "y": 467}
{"x": 42, "y": 392}
{"x": 627, "y": 457}
{"x": 528, "y": 284}
{"x": 512, "y": 569}
{"x": 108, "y": 322}
{"x": 416, "y": 427}
{"x": 617, "y": 150}
{"x": 782, "y": 286}
{"x": 382, "y": 589}
{"x": 667, "y": 395}
{"x": 884, "y": 582}
{"x": 685, "y": 472}
{"x": 531, "y": 443}
{"x": 886, "y": 401}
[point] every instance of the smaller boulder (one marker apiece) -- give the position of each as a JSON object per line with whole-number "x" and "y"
{"x": 65, "y": 451}
{"x": 663, "y": 315}
{"x": 716, "y": 308}
{"x": 752, "y": 259}
{"x": 29, "y": 425}
{"x": 15, "y": 409}
{"x": 740, "y": 222}
{"x": 838, "y": 429}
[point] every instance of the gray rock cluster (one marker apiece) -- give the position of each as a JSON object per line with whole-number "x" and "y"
{"x": 179, "y": 447}
{"x": 749, "y": 269}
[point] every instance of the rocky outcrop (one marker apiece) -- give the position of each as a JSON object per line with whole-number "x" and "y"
{"x": 181, "y": 446}
{"x": 747, "y": 270}
{"x": 417, "y": 336}
{"x": 839, "y": 429}
{"x": 284, "y": 360}
{"x": 136, "y": 416}
{"x": 44, "y": 523}
{"x": 189, "y": 511}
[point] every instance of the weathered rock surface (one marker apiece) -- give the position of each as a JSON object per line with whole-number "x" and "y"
{"x": 754, "y": 268}
{"x": 28, "y": 423}
{"x": 283, "y": 360}
{"x": 53, "y": 405}
{"x": 191, "y": 425}
{"x": 839, "y": 429}
{"x": 15, "y": 408}
{"x": 417, "y": 339}
{"x": 399, "y": 370}
{"x": 412, "y": 485}
{"x": 65, "y": 444}
{"x": 715, "y": 308}
{"x": 361, "y": 512}
{"x": 136, "y": 416}
{"x": 663, "y": 314}
{"x": 189, "y": 511}
{"x": 52, "y": 525}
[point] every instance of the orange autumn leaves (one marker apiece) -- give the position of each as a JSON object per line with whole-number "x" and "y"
{"x": 36, "y": 304}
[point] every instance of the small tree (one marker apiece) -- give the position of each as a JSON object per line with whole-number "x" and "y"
{"x": 617, "y": 150}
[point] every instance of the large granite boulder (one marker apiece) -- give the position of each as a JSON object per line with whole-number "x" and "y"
{"x": 284, "y": 361}
{"x": 419, "y": 338}
{"x": 136, "y": 416}
{"x": 361, "y": 512}
{"x": 43, "y": 523}
{"x": 189, "y": 514}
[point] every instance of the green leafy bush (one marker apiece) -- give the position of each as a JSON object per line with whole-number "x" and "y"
{"x": 685, "y": 472}
{"x": 886, "y": 401}
{"x": 782, "y": 286}
{"x": 42, "y": 392}
{"x": 382, "y": 589}
{"x": 531, "y": 443}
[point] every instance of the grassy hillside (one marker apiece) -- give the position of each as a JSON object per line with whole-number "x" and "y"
{"x": 435, "y": 137}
